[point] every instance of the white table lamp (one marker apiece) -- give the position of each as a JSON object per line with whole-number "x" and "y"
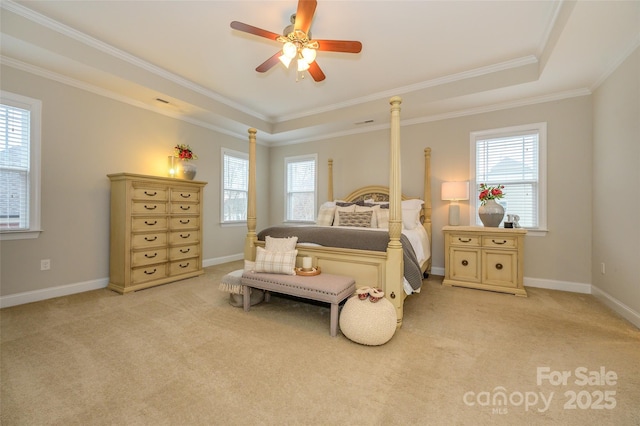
{"x": 454, "y": 192}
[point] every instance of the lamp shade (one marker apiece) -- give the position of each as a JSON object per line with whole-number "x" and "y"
{"x": 453, "y": 191}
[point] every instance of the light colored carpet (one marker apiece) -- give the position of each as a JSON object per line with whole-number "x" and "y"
{"x": 179, "y": 354}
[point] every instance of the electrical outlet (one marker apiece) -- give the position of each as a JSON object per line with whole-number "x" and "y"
{"x": 602, "y": 270}
{"x": 45, "y": 264}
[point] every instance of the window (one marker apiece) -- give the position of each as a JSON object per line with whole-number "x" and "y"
{"x": 19, "y": 166}
{"x": 516, "y": 158}
{"x": 300, "y": 199}
{"x": 235, "y": 186}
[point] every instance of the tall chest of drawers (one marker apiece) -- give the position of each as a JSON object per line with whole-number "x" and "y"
{"x": 485, "y": 258}
{"x": 156, "y": 231}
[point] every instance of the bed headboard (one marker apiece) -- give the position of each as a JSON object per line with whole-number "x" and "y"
{"x": 377, "y": 194}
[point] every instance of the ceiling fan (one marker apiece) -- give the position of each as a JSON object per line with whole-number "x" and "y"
{"x": 297, "y": 42}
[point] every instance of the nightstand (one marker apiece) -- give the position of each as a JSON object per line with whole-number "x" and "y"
{"x": 484, "y": 258}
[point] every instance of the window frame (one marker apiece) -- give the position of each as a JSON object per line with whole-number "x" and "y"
{"x": 34, "y": 191}
{"x": 299, "y": 159}
{"x": 236, "y": 154}
{"x": 541, "y": 130}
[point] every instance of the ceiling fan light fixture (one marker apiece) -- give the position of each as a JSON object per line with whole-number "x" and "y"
{"x": 309, "y": 55}
{"x": 285, "y": 60}
{"x": 290, "y": 50}
{"x": 303, "y": 65}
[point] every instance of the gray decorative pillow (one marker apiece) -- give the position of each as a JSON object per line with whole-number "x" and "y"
{"x": 359, "y": 219}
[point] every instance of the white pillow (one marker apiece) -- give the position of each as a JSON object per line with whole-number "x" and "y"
{"x": 413, "y": 203}
{"x": 276, "y": 262}
{"x": 349, "y": 209}
{"x": 410, "y": 218}
{"x": 374, "y": 217}
{"x": 280, "y": 244}
{"x": 326, "y": 214}
{"x": 382, "y": 215}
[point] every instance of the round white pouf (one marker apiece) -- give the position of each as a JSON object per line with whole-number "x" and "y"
{"x": 368, "y": 323}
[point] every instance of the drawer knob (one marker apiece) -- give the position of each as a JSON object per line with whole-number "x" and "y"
{"x": 185, "y": 195}
{"x": 498, "y": 266}
{"x": 185, "y": 236}
{"x": 465, "y": 262}
{"x": 151, "y": 194}
{"x": 151, "y": 224}
{"x": 150, "y": 207}
{"x": 185, "y": 265}
{"x": 150, "y": 273}
{"x": 150, "y": 257}
{"x": 185, "y": 207}
{"x": 185, "y": 222}
{"x": 392, "y": 295}
{"x": 185, "y": 251}
{"x": 150, "y": 239}
{"x": 464, "y": 240}
{"x": 499, "y": 242}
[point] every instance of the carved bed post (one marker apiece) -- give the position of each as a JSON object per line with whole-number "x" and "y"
{"x": 249, "y": 244}
{"x": 330, "y": 187}
{"x": 395, "y": 268}
{"x": 427, "y": 199}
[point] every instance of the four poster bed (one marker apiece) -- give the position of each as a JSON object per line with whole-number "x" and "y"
{"x": 394, "y": 258}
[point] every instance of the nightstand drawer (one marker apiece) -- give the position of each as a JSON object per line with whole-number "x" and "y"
{"x": 465, "y": 264}
{"x": 499, "y": 241}
{"x": 464, "y": 240}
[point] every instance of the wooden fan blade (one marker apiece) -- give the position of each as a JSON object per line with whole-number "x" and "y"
{"x": 254, "y": 30}
{"x": 316, "y": 72}
{"x": 304, "y": 15}
{"x": 345, "y": 46}
{"x": 269, "y": 63}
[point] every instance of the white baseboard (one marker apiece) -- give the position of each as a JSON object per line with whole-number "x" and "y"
{"x": 623, "y": 310}
{"x": 572, "y": 287}
{"x": 68, "y": 289}
{"x": 50, "y": 293}
{"x": 221, "y": 260}
{"x": 437, "y": 270}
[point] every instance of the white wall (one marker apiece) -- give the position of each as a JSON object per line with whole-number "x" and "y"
{"x": 616, "y": 188}
{"x": 84, "y": 138}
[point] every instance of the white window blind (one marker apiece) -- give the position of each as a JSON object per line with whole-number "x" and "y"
{"x": 512, "y": 157}
{"x": 15, "y": 150}
{"x": 300, "y": 188}
{"x": 235, "y": 186}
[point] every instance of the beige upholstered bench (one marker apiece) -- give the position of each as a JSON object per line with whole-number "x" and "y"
{"x": 327, "y": 288}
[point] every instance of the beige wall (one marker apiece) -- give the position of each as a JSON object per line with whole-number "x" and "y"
{"x": 564, "y": 254}
{"x": 85, "y": 137}
{"x": 616, "y": 184}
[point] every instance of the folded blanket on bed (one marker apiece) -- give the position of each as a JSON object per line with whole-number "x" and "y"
{"x": 351, "y": 239}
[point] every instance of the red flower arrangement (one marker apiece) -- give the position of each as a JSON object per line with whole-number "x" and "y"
{"x": 184, "y": 152}
{"x": 490, "y": 193}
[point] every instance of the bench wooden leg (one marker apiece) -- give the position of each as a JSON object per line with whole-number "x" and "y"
{"x": 334, "y": 320}
{"x": 246, "y": 297}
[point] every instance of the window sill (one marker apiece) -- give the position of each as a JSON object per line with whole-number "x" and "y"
{"x": 19, "y": 235}
{"x": 233, "y": 224}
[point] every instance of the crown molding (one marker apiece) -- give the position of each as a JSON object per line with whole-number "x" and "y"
{"x": 101, "y": 46}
